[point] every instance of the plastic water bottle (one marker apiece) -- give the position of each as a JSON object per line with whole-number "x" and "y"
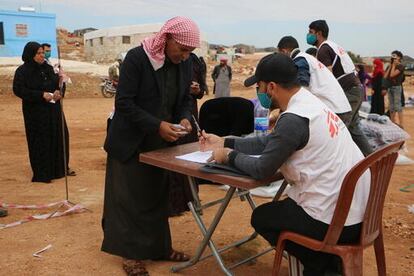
{"x": 261, "y": 119}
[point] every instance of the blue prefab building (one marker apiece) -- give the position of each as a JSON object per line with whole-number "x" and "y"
{"x": 17, "y": 28}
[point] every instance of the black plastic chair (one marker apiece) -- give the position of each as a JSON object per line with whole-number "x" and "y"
{"x": 227, "y": 116}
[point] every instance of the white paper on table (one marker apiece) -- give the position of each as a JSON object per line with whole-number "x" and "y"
{"x": 200, "y": 156}
{"x": 197, "y": 156}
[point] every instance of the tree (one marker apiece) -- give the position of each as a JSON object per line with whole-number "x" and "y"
{"x": 355, "y": 58}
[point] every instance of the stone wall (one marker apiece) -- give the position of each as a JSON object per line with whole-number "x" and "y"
{"x": 107, "y": 48}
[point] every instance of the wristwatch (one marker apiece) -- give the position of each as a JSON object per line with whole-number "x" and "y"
{"x": 228, "y": 156}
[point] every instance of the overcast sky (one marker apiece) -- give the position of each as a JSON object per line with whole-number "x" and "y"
{"x": 366, "y": 27}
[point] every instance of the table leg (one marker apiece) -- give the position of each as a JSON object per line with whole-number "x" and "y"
{"x": 208, "y": 233}
{"x": 196, "y": 198}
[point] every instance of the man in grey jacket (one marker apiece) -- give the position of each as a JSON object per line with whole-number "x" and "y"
{"x": 306, "y": 144}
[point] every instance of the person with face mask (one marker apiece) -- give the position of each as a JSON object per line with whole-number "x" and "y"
{"x": 306, "y": 144}
{"x": 37, "y": 85}
{"x": 313, "y": 75}
{"x": 337, "y": 60}
{"x": 153, "y": 108}
{"x": 222, "y": 76}
{"x": 47, "y": 48}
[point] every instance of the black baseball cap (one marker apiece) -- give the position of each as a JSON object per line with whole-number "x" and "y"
{"x": 275, "y": 67}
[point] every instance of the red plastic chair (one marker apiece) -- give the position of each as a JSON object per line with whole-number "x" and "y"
{"x": 381, "y": 164}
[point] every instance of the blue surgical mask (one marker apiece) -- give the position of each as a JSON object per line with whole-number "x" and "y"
{"x": 311, "y": 39}
{"x": 264, "y": 99}
{"x": 47, "y": 54}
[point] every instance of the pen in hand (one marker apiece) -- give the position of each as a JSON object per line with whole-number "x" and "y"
{"x": 197, "y": 126}
{"x": 201, "y": 138}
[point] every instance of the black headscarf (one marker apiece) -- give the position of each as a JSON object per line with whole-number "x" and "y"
{"x": 29, "y": 51}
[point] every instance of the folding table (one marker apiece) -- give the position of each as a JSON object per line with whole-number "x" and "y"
{"x": 238, "y": 187}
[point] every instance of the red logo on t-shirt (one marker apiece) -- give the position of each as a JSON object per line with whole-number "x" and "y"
{"x": 320, "y": 65}
{"x": 332, "y": 121}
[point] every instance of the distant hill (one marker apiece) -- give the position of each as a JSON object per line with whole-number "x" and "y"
{"x": 243, "y": 48}
{"x": 267, "y": 49}
{"x": 71, "y": 46}
{"x": 408, "y": 59}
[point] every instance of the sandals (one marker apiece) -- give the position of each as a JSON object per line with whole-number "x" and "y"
{"x": 137, "y": 267}
{"x": 134, "y": 268}
{"x": 70, "y": 172}
{"x": 176, "y": 256}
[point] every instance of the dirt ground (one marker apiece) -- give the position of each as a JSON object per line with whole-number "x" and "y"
{"x": 76, "y": 239}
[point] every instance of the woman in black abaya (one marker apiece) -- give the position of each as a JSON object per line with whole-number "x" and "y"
{"x": 37, "y": 85}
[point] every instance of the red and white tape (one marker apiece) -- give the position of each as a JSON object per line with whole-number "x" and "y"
{"x": 71, "y": 209}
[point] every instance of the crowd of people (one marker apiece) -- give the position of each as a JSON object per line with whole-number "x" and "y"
{"x": 318, "y": 93}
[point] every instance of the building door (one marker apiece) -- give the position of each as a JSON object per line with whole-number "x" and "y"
{"x": 1, "y": 34}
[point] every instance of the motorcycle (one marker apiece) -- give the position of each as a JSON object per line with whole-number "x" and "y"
{"x": 108, "y": 87}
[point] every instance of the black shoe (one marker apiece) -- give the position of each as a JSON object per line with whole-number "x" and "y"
{"x": 3, "y": 212}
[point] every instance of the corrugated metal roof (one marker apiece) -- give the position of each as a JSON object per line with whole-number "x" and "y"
{"x": 124, "y": 30}
{"x": 129, "y": 30}
{"x": 27, "y": 14}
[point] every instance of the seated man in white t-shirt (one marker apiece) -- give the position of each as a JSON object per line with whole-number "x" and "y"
{"x": 312, "y": 148}
{"x": 315, "y": 77}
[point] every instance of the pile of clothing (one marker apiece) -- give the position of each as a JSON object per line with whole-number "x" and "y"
{"x": 380, "y": 131}
{"x": 409, "y": 102}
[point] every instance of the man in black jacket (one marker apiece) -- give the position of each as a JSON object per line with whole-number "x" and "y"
{"x": 152, "y": 97}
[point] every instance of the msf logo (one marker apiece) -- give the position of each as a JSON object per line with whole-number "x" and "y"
{"x": 333, "y": 123}
{"x": 341, "y": 51}
{"x": 320, "y": 65}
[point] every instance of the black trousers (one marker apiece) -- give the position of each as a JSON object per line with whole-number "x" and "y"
{"x": 351, "y": 119}
{"x": 271, "y": 218}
